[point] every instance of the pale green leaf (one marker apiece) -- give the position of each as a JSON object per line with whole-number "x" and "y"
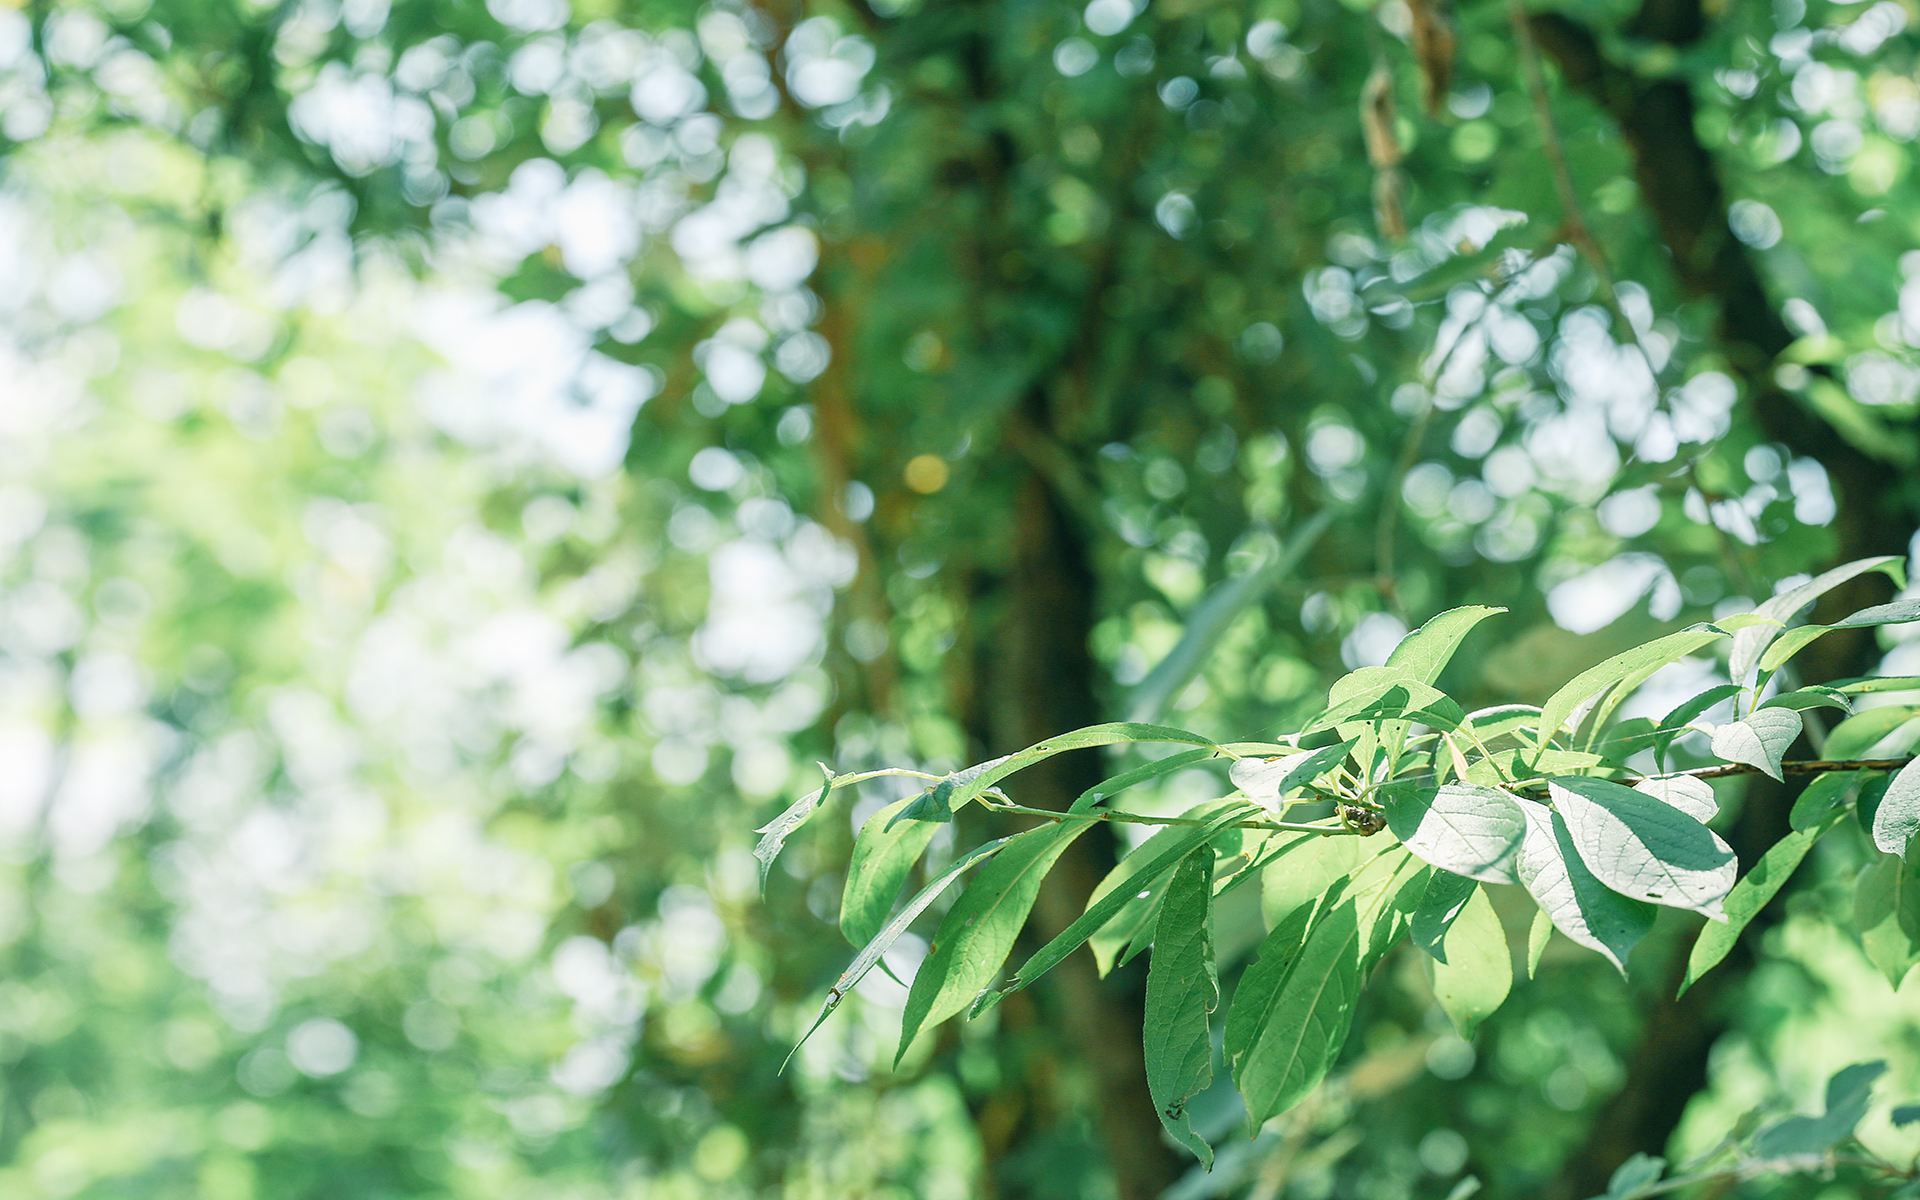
{"x": 1899, "y": 612}
{"x": 1578, "y": 904}
{"x": 1313, "y": 868}
{"x": 1690, "y": 795}
{"x": 1760, "y": 739}
{"x": 1643, "y": 848}
{"x": 1425, "y": 652}
{"x": 1464, "y": 828}
{"x": 1751, "y": 642}
{"x": 1475, "y": 972}
{"x": 1589, "y": 683}
{"x": 1267, "y": 781}
{"x": 774, "y": 833}
{"x": 1886, "y": 915}
{"x": 1849, "y": 1094}
{"x": 1875, "y": 733}
{"x": 1181, "y": 992}
{"x": 1897, "y": 819}
{"x": 1539, "y": 933}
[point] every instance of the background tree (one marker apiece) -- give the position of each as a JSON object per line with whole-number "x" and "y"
{"x": 504, "y": 445}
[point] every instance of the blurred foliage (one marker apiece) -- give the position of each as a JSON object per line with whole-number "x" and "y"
{"x": 464, "y": 464}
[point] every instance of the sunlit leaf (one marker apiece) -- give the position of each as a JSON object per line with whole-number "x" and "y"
{"x": 1589, "y": 683}
{"x": 1578, "y": 904}
{"x": 1425, "y": 652}
{"x": 1760, "y": 739}
{"x": 1685, "y": 792}
{"x": 1462, "y": 827}
{"x": 1751, "y": 894}
{"x": 1750, "y": 643}
{"x": 1644, "y": 848}
{"x": 1475, "y": 969}
{"x": 1897, "y": 819}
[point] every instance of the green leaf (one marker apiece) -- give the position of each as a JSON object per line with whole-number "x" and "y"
{"x": 1462, "y": 827}
{"x": 1475, "y": 973}
{"x": 1589, "y": 683}
{"x": 978, "y": 932}
{"x": 1822, "y": 797}
{"x": 1267, "y": 781}
{"x": 1446, "y": 895}
{"x": 890, "y": 932}
{"x": 775, "y": 832}
{"x": 1101, "y": 911}
{"x": 1873, "y": 685}
{"x": 1578, "y": 904}
{"x": 1755, "y": 889}
{"x": 1631, "y": 1178}
{"x": 1181, "y": 992}
{"x": 1210, "y": 619}
{"x": 1644, "y": 848}
{"x": 884, "y": 851}
{"x": 1886, "y": 914}
{"x": 1130, "y": 929}
{"x": 970, "y": 784}
{"x": 1294, "y": 1007}
{"x": 1760, "y": 739}
{"x": 1313, "y": 868}
{"x": 1425, "y": 652}
{"x": 1539, "y": 933}
{"x": 1813, "y": 696}
{"x": 1875, "y": 733}
{"x": 1897, "y": 819}
{"x": 1676, "y": 722}
{"x": 1687, "y": 793}
{"x": 1849, "y": 1094}
{"x": 1795, "y": 640}
{"x": 1750, "y": 643}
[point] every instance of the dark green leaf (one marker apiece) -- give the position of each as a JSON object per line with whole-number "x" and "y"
{"x": 1644, "y": 848}
{"x": 1578, "y": 904}
{"x": 1755, "y": 889}
{"x": 884, "y": 852}
{"x": 1848, "y": 1095}
{"x": 1181, "y": 992}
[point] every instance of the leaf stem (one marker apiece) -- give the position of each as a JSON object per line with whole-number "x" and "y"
{"x": 1132, "y": 818}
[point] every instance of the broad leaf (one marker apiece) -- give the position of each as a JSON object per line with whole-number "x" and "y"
{"x": 1760, "y": 739}
{"x": 890, "y": 932}
{"x": 1819, "y": 799}
{"x": 1475, "y": 971}
{"x": 1897, "y": 819}
{"x": 1886, "y": 914}
{"x": 1462, "y": 827}
{"x": 1314, "y": 868}
{"x": 1589, "y": 683}
{"x": 1578, "y": 904}
{"x": 1181, "y": 992}
{"x": 978, "y": 932}
{"x": 1446, "y": 895}
{"x": 1690, "y": 795}
{"x": 1755, "y": 889}
{"x": 1644, "y": 848}
{"x": 1750, "y": 643}
{"x": 1100, "y": 912}
{"x": 1631, "y": 1178}
{"x": 1425, "y": 652}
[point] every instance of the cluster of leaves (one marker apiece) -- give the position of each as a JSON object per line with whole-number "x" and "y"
{"x": 1580, "y": 810}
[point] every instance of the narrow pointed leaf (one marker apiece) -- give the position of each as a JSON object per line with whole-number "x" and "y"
{"x": 1267, "y": 781}
{"x": 1099, "y": 913}
{"x": 890, "y": 932}
{"x": 1750, "y": 643}
{"x": 1181, "y": 993}
{"x": 1813, "y": 696}
{"x": 1755, "y": 889}
{"x": 1589, "y": 683}
{"x": 1425, "y": 652}
{"x": 884, "y": 851}
{"x": 978, "y": 932}
{"x": 1899, "y": 612}
{"x": 1644, "y": 848}
{"x": 774, "y": 833}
